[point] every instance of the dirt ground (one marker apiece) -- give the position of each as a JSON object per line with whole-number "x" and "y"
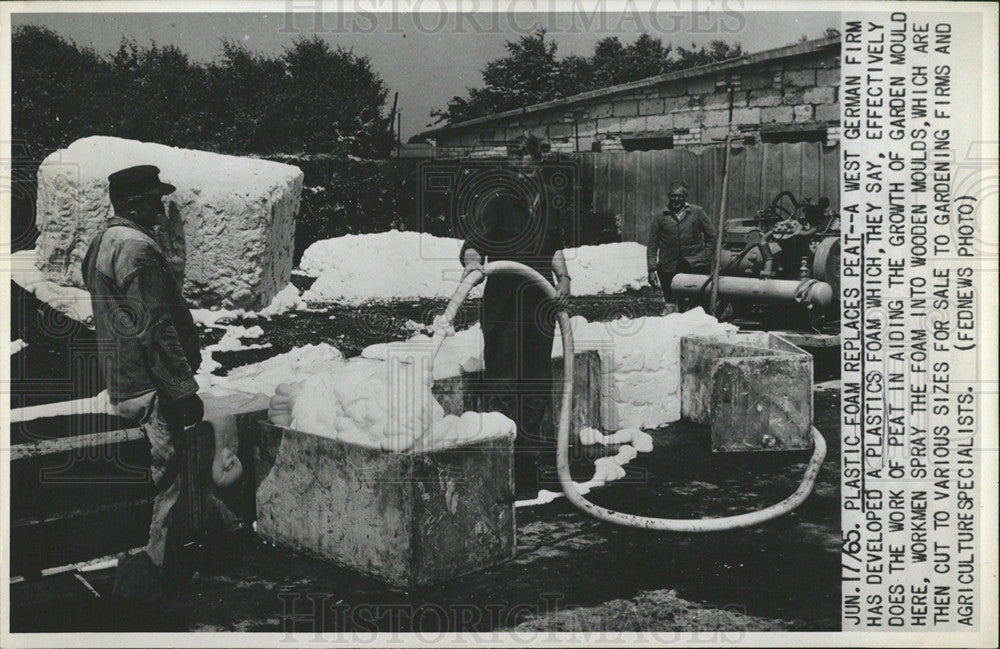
{"x": 571, "y": 573}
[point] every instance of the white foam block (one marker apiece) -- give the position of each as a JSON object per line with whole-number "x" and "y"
{"x": 230, "y": 225}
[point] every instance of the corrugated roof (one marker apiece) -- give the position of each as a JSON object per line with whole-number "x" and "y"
{"x": 799, "y": 49}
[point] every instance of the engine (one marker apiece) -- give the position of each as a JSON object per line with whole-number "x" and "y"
{"x": 780, "y": 268}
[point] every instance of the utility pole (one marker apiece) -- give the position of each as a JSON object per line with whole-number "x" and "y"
{"x": 714, "y": 304}
{"x": 722, "y": 224}
{"x": 393, "y": 118}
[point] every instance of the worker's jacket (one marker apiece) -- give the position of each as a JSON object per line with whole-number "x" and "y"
{"x": 688, "y": 235}
{"x": 145, "y": 334}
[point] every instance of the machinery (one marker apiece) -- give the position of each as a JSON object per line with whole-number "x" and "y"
{"x": 779, "y": 269}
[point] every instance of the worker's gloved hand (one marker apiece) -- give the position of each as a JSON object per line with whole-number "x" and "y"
{"x": 442, "y": 327}
{"x": 279, "y": 411}
{"x": 471, "y": 266}
{"x": 654, "y": 281}
{"x": 190, "y": 409}
{"x": 562, "y": 293}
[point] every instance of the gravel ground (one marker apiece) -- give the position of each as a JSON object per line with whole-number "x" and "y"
{"x": 655, "y": 611}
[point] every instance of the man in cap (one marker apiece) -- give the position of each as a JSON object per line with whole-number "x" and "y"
{"x": 681, "y": 240}
{"x": 149, "y": 351}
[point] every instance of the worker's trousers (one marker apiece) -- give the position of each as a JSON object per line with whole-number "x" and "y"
{"x": 666, "y": 277}
{"x": 518, "y": 329}
{"x": 166, "y": 435}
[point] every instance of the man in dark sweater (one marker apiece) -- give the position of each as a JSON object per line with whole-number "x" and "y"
{"x": 149, "y": 351}
{"x": 518, "y": 322}
{"x": 681, "y": 240}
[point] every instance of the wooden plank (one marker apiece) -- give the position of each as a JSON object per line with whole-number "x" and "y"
{"x": 791, "y": 168}
{"x": 750, "y": 198}
{"x": 658, "y": 180}
{"x": 82, "y": 512}
{"x": 628, "y": 191}
{"x": 672, "y": 170}
{"x": 639, "y": 190}
{"x": 706, "y": 184}
{"x": 737, "y": 170}
{"x": 647, "y": 189}
{"x": 642, "y": 200}
{"x": 773, "y": 161}
{"x": 76, "y": 442}
{"x": 715, "y": 169}
{"x": 691, "y": 175}
{"x": 811, "y": 176}
{"x": 600, "y": 196}
{"x": 761, "y": 180}
{"x": 614, "y": 189}
{"x": 830, "y": 167}
{"x": 590, "y": 173}
{"x": 689, "y": 169}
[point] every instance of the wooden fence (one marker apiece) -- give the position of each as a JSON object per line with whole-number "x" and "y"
{"x": 635, "y": 184}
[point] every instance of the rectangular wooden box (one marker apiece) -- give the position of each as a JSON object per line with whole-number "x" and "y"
{"x": 754, "y": 389}
{"x": 408, "y": 519}
{"x": 593, "y": 404}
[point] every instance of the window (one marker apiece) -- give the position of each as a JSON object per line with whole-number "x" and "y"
{"x": 791, "y": 133}
{"x": 651, "y": 142}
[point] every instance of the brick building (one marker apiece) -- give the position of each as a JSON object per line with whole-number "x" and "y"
{"x": 788, "y": 94}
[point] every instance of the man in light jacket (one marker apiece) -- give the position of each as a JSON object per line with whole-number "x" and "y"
{"x": 149, "y": 351}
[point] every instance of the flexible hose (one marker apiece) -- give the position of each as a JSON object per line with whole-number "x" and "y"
{"x": 562, "y": 446}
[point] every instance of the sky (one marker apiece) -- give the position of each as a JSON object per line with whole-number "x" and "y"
{"x": 429, "y": 57}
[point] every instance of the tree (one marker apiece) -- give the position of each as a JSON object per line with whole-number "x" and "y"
{"x": 332, "y": 102}
{"x": 575, "y": 74}
{"x": 531, "y": 73}
{"x": 59, "y": 91}
{"x": 715, "y": 51}
{"x": 615, "y": 63}
{"x": 159, "y": 95}
{"x": 239, "y": 120}
{"x": 311, "y": 98}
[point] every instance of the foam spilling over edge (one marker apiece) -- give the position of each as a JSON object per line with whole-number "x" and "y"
{"x": 382, "y": 404}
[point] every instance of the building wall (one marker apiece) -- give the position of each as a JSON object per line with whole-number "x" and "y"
{"x": 800, "y": 91}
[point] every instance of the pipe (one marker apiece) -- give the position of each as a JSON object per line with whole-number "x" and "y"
{"x": 814, "y": 294}
{"x": 443, "y": 323}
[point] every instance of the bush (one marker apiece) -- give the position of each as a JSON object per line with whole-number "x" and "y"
{"x": 344, "y": 195}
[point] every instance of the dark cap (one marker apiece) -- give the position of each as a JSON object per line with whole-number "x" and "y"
{"x": 143, "y": 180}
{"x": 526, "y": 144}
{"x": 533, "y": 147}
